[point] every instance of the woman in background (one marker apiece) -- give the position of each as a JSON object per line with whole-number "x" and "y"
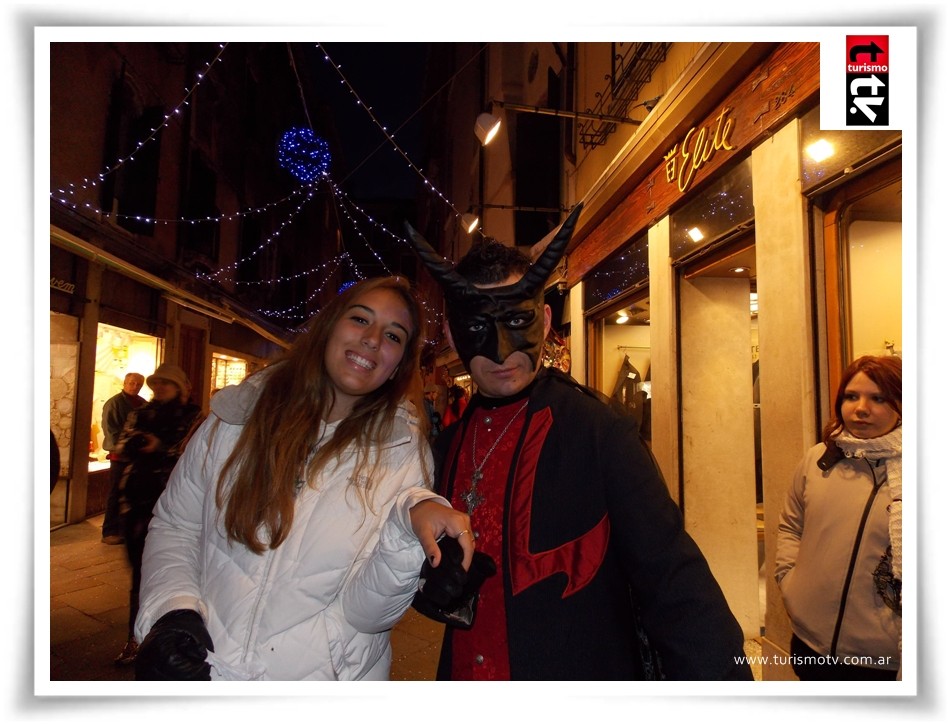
{"x": 838, "y": 561}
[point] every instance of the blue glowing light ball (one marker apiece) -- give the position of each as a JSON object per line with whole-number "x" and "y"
{"x": 303, "y": 154}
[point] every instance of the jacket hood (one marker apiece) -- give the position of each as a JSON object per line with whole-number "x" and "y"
{"x": 233, "y": 403}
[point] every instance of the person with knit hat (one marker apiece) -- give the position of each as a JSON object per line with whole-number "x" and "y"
{"x": 153, "y": 438}
{"x": 838, "y": 560}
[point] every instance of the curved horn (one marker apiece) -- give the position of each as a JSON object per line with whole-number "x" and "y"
{"x": 539, "y": 272}
{"x": 441, "y": 269}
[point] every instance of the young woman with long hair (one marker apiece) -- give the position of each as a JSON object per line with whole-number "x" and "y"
{"x": 291, "y": 535}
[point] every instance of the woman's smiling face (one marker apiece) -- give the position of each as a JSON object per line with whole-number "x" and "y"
{"x": 366, "y": 346}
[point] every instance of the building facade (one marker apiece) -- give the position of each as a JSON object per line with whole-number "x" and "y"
{"x": 171, "y": 224}
{"x": 722, "y": 273}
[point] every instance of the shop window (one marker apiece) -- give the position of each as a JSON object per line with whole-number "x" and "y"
{"x": 714, "y": 215}
{"x": 874, "y": 284}
{"x": 621, "y": 358}
{"x": 118, "y": 352}
{"x": 617, "y": 304}
{"x": 226, "y": 370}
{"x": 624, "y": 271}
{"x": 856, "y": 186}
{"x": 557, "y": 345}
{"x": 863, "y": 278}
{"x": 831, "y": 155}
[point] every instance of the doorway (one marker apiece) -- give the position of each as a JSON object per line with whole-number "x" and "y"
{"x": 721, "y": 439}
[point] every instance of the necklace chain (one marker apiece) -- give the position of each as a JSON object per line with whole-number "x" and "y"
{"x": 472, "y": 498}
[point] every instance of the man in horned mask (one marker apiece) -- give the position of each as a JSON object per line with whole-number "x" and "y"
{"x": 596, "y": 577}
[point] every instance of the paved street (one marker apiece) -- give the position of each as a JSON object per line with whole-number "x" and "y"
{"x": 89, "y": 590}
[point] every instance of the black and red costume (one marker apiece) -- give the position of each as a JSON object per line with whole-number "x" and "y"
{"x": 596, "y": 577}
{"x": 588, "y": 542}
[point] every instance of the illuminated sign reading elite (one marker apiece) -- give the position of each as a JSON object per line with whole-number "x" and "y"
{"x": 867, "y": 80}
{"x": 698, "y": 146}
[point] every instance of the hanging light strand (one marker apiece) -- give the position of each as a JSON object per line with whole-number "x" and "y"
{"x": 342, "y": 199}
{"x": 174, "y": 113}
{"x": 288, "y": 221}
{"x": 298, "y": 310}
{"x": 412, "y": 115}
{"x": 227, "y": 217}
{"x": 389, "y": 137}
{"x": 67, "y": 196}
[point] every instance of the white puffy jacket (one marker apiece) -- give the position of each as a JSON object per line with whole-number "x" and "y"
{"x": 320, "y": 606}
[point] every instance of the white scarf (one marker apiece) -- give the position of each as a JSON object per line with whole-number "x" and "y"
{"x": 889, "y": 448}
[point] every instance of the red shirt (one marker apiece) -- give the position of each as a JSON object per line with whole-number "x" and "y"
{"x": 481, "y": 653}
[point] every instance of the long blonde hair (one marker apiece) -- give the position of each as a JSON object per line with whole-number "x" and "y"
{"x": 276, "y": 446}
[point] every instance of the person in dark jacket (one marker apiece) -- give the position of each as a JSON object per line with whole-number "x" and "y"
{"x": 115, "y": 411}
{"x": 150, "y": 444}
{"x": 597, "y": 578}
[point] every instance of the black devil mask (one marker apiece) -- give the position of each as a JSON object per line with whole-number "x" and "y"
{"x": 497, "y": 321}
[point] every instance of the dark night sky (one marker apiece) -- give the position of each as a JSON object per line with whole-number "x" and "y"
{"x": 388, "y": 77}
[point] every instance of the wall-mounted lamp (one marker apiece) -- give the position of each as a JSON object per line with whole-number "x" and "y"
{"x": 820, "y": 150}
{"x": 487, "y": 124}
{"x": 469, "y": 223}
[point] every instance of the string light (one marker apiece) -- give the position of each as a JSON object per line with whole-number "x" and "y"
{"x": 307, "y": 158}
{"x": 292, "y": 277}
{"x": 389, "y": 137}
{"x": 226, "y": 217}
{"x": 296, "y": 311}
{"x": 304, "y": 154}
{"x": 175, "y": 112}
{"x": 267, "y": 242}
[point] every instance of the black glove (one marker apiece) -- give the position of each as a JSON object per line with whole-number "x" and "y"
{"x": 447, "y": 593}
{"x": 443, "y": 583}
{"x": 175, "y": 649}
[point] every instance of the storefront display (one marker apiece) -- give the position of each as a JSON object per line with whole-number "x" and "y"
{"x": 118, "y": 352}
{"x": 226, "y": 370}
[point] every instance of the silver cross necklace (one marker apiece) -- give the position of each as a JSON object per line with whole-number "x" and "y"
{"x": 472, "y": 497}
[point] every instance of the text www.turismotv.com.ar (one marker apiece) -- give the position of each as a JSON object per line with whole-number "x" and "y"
{"x": 851, "y": 660}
